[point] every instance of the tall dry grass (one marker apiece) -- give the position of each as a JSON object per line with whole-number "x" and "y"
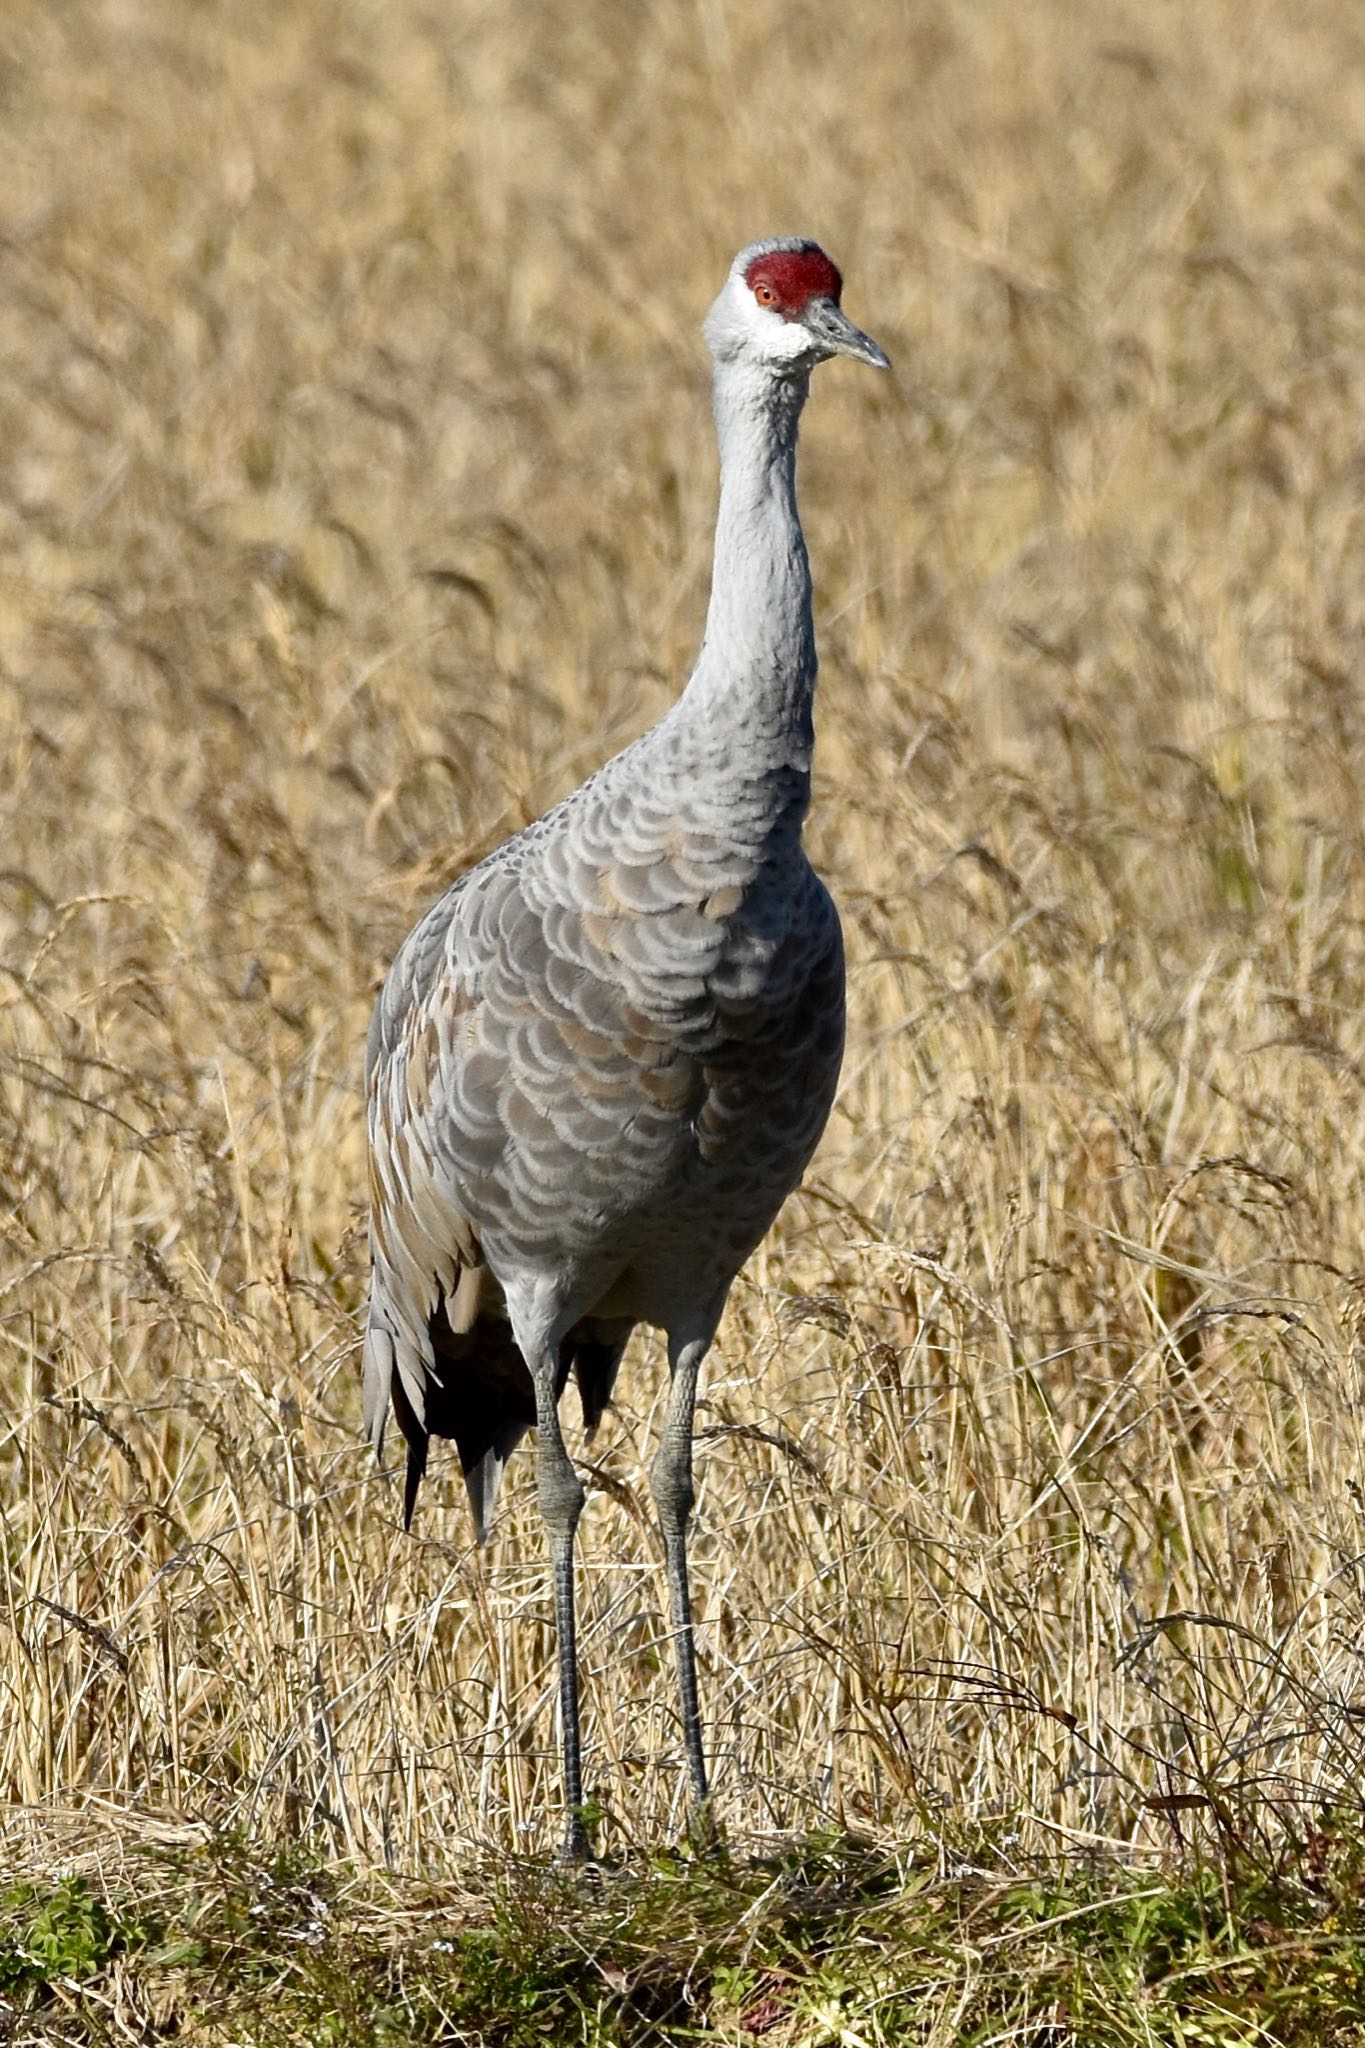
{"x": 356, "y": 487}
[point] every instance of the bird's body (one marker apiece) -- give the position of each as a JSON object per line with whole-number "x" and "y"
{"x": 602, "y": 1060}
{"x": 608, "y": 1051}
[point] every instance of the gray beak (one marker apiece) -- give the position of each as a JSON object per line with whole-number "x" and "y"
{"x": 829, "y": 325}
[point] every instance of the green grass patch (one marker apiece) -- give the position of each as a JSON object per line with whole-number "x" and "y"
{"x": 831, "y": 1943}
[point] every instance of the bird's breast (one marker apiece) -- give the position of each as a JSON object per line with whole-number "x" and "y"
{"x": 626, "y": 1035}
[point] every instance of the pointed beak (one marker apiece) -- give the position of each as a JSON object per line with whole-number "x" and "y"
{"x": 831, "y": 327}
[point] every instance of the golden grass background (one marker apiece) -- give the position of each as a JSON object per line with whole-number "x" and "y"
{"x": 356, "y": 484}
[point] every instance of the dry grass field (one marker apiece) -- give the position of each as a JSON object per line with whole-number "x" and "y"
{"x": 356, "y": 484}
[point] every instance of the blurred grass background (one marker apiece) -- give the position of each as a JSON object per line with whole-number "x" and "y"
{"x": 356, "y": 485}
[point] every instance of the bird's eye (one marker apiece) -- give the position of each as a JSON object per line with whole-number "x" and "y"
{"x": 765, "y": 295}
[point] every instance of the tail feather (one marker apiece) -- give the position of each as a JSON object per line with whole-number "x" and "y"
{"x": 479, "y": 1394}
{"x": 594, "y": 1352}
{"x": 482, "y": 1481}
{"x": 413, "y": 1477}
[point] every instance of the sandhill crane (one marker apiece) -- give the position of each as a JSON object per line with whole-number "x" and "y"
{"x": 601, "y": 1061}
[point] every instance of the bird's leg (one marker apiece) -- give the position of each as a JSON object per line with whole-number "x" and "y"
{"x": 561, "y": 1503}
{"x": 670, "y": 1481}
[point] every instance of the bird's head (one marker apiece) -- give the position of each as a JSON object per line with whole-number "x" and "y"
{"x": 779, "y": 311}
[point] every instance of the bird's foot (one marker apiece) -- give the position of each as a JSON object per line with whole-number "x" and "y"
{"x": 576, "y": 1851}
{"x": 704, "y": 1838}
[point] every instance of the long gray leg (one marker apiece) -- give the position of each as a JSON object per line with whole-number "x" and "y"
{"x": 561, "y": 1503}
{"x": 670, "y": 1481}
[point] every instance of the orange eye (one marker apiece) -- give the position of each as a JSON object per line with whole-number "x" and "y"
{"x": 765, "y": 295}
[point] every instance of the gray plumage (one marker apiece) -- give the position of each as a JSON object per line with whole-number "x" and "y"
{"x": 602, "y": 1060}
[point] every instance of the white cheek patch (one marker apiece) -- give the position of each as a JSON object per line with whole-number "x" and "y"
{"x": 786, "y": 340}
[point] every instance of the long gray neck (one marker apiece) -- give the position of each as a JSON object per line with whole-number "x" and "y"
{"x": 749, "y": 699}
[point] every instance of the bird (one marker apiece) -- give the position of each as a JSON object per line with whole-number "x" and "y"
{"x": 600, "y": 1063}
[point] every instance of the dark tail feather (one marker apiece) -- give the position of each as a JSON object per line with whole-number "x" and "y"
{"x": 479, "y": 1393}
{"x": 593, "y": 1350}
{"x": 417, "y": 1466}
{"x": 416, "y": 1437}
{"x": 480, "y": 1396}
